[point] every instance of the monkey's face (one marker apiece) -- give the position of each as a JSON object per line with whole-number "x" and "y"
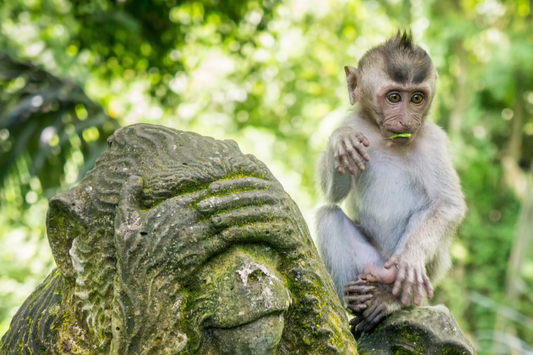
{"x": 400, "y": 109}
{"x": 404, "y": 107}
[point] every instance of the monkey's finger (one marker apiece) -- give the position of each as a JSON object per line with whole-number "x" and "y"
{"x": 373, "y": 312}
{"x": 359, "y": 298}
{"x": 360, "y": 148}
{"x": 360, "y": 289}
{"x": 398, "y": 283}
{"x": 419, "y": 287}
{"x": 372, "y": 307}
{"x": 393, "y": 261}
{"x": 428, "y": 286}
{"x": 407, "y": 286}
{"x": 356, "y": 158}
{"x": 345, "y": 155}
{"x": 339, "y": 153}
{"x": 361, "y": 137}
{"x": 361, "y": 281}
{"x": 338, "y": 164}
{"x": 127, "y": 218}
{"x": 349, "y": 165}
{"x": 356, "y": 320}
{"x": 357, "y": 308}
{"x": 361, "y": 326}
{"x": 371, "y": 318}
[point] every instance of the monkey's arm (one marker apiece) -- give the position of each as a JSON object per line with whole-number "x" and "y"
{"x": 333, "y": 185}
{"x": 345, "y": 149}
{"x": 429, "y": 230}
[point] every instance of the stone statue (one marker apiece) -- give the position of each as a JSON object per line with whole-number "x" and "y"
{"x": 417, "y": 330}
{"x": 179, "y": 244}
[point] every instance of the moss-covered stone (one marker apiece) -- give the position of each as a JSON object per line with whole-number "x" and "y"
{"x": 413, "y": 331}
{"x": 204, "y": 254}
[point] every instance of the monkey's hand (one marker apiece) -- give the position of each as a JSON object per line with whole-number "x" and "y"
{"x": 357, "y": 294}
{"x": 411, "y": 273}
{"x": 349, "y": 147}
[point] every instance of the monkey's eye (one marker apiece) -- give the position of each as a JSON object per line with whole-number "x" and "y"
{"x": 394, "y": 97}
{"x": 417, "y": 98}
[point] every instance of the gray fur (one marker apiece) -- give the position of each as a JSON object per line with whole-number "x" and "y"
{"x": 403, "y": 61}
{"x": 407, "y": 196}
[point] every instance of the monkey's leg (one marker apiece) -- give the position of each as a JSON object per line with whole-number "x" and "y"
{"x": 344, "y": 249}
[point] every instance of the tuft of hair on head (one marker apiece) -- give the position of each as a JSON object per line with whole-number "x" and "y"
{"x": 400, "y": 58}
{"x": 403, "y": 40}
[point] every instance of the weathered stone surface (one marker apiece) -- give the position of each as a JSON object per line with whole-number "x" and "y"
{"x": 420, "y": 330}
{"x": 179, "y": 244}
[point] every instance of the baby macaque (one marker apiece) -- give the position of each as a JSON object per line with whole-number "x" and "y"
{"x": 403, "y": 199}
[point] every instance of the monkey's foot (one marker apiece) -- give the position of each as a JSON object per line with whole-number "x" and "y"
{"x": 375, "y": 273}
{"x": 380, "y": 304}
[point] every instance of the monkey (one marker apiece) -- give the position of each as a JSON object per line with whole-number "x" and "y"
{"x": 402, "y": 195}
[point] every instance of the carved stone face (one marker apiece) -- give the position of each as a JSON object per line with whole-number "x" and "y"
{"x": 249, "y": 302}
{"x": 180, "y": 244}
{"x": 423, "y": 330}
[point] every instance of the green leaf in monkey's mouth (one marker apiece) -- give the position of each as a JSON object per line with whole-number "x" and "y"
{"x": 400, "y": 135}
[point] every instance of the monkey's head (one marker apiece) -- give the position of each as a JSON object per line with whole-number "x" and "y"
{"x": 394, "y": 85}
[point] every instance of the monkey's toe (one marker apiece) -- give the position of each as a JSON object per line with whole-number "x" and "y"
{"x": 373, "y": 273}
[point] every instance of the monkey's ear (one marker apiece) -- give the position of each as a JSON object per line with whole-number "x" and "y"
{"x": 352, "y": 79}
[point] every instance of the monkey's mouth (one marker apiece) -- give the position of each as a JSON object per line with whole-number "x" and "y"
{"x": 400, "y": 135}
{"x": 400, "y": 138}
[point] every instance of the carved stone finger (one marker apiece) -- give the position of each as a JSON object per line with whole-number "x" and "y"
{"x": 241, "y": 199}
{"x": 250, "y": 214}
{"x": 253, "y": 232}
{"x": 238, "y": 184}
{"x": 127, "y": 218}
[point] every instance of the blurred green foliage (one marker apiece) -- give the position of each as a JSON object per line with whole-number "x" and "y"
{"x": 269, "y": 75}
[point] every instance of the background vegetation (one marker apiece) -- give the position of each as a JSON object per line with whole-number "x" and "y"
{"x": 269, "y": 75}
